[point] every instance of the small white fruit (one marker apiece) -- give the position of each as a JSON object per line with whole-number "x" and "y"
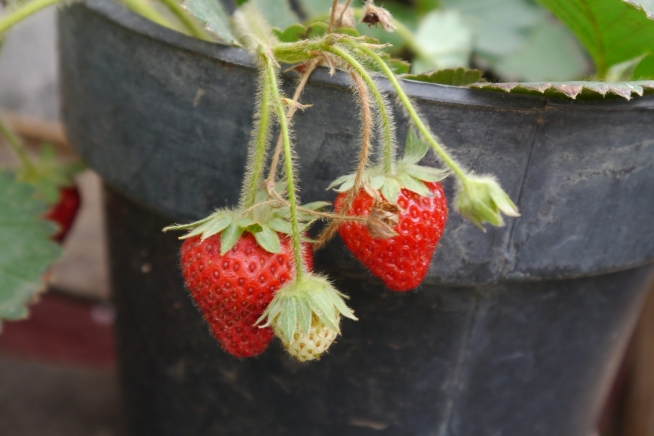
{"x": 309, "y": 346}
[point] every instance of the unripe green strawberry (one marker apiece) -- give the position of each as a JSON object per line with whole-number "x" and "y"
{"x": 309, "y": 346}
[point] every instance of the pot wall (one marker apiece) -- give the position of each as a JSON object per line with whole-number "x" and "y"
{"x": 512, "y": 359}
{"x": 165, "y": 119}
{"x": 490, "y": 344}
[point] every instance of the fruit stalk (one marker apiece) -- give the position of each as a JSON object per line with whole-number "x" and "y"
{"x": 271, "y": 74}
{"x": 424, "y": 130}
{"x": 388, "y": 137}
{"x": 312, "y": 65}
{"x": 254, "y": 173}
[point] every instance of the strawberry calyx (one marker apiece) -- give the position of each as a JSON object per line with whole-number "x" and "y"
{"x": 264, "y": 221}
{"x": 480, "y": 199}
{"x": 48, "y": 175}
{"x": 308, "y": 300}
{"x": 407, "y": 175}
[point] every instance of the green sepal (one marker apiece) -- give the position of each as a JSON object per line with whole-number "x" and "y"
{"x": 229, "y": 237}
{"x": 481, "y": 200}
{"x": 340, "y": 181}
{"x": 316, "y": 205}
{"x": 280, "y": 225}
{"x": 426, "y": 174}
{"x": 415, "y": 149}
{"x": 413, "y": 185}
{"x": 390, "y": 190}
{"x": 209, "y": 227}
{"x": 297, "y": 302}
{"x": 268, "y": 239}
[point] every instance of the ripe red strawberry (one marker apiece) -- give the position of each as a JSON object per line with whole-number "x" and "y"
{"x": 401, "y": 261}
{"x": 233, "y": 290}
{"x": 64, "y": 211}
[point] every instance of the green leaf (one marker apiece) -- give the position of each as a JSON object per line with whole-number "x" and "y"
{"x": 278, "y": 13}
{"x": 213, "y": 16}
{"x": 613, "y": 31}
{"x": 229, "y": 237}
{"x": 268, "y": 239}
{"x": 446, "y": 41}
{"x": 575, "y": 90}
{"x": 316, "y": 7}
{"x": 413, "y": 185}
{"x": 500, "y": 27}
{"x": 645, "y": 68}
{"x": 549, "y": 53}
{"x": 415, "y": 148}
{"x": 390, "y": 189}
{"x": 448, "y": 76}
{"x": 27, "y": 250}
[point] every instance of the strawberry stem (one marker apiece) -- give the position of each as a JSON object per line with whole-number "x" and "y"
{"x": 271, "y": 73}
{"x": 23, "y": 12}
{"x": 17, "y": 147}
{"x": 259, "y": 143}
{"x": 424, "y": 130}
{"x": 387, "y": 126}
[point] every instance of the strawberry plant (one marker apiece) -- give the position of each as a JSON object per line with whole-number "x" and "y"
{"x": 249, "y": 268}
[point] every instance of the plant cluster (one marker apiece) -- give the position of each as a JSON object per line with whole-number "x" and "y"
{"x": 390, "y": 213}
{"x": 249, "y": 268}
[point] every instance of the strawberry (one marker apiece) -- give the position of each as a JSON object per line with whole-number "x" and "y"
{"x": 64, "y": 211}
{"x": 311, "y": 345}
{"x": 401, "y": 261}
{"x": 234, "y": 262}
{"x": 406, "y": 212}
{"x": 233, "y": 290}
{"x": 305, "y": 314}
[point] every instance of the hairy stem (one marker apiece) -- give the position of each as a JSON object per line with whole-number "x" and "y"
{"x": 387, "y": 126}
{"x": 23, "y": 12}
{"x": 311, "y": 66}
{"x": 402, "y": 31}
{"x": 366, "y": 130}
{"x": 16, "y": 146}
{"x": 191, "y": 26}
{"x": 422, "y": 127}
{"x": 332, "y": 16}
{"x": 271, "y": 72}
{"x": 259, "y": 142}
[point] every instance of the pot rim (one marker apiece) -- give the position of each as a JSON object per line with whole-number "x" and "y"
{"x": 457, "y": 95}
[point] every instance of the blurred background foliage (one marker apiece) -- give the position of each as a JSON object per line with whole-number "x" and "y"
{"x": 512, "y": 40}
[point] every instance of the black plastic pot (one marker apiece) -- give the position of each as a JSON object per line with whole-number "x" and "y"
{"x": 516, "y": 331}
